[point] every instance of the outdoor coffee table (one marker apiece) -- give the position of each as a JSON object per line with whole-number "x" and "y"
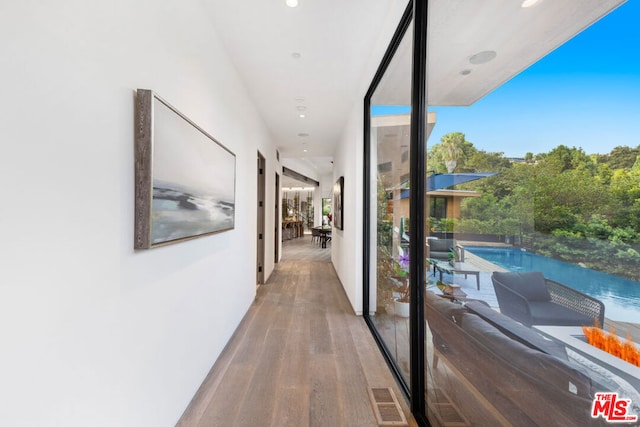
{"x": 455, "y": 268}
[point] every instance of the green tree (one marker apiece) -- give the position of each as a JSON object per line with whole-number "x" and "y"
{"x": 582, "y": 208}
{"x": 621, "y": 157}
{"x": 565, "y": 158}
{"x": 482, "y": 161}
{"x": 452, "y": 150}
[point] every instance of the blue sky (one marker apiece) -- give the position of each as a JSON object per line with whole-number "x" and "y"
{"x": 585, "y": 94}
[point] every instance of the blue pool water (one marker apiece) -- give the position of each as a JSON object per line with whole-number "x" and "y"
{"x": 620, "y": 296}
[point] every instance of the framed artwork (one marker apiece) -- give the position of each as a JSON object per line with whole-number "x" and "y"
{"x": 338, "y": 191}
{"x": 185, "y": 179}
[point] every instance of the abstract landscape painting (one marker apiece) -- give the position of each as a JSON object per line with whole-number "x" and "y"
{"x": 190, "y": 183}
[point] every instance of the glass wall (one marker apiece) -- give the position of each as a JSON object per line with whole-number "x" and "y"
{"x": 537, "y": 241}
{"x": 532, "y": 295}
{"x": 389, "y": 132}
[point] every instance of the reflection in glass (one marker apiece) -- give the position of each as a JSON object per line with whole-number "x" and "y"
{"x": 561, "y": 212}
{"x": 389, "y": 141}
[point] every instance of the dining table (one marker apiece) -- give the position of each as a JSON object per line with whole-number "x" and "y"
{"x": 325, "y": 234}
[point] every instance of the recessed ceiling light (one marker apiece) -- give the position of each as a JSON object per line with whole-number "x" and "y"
{"x": 291, "y": 3}
{"x": 299, "y": 99}
{"x": 303, "y": 134}
{"x": 296, "y": 55}
{"x": 302, "y": 116}
{"x": 301, "y": 108}
{"x": 530, "y": 3}
{"x": 465, "y": 72}
{"x": 482, "y": 57}
{"x": 305, "y": 151}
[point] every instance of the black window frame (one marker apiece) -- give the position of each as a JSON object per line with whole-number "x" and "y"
{"x": 416, "y": 12}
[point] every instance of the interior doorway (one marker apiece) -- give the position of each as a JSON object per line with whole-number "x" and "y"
{"x": 261, "y": 219}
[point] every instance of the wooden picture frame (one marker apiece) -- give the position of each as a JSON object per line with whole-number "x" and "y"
{"x": 184, "y": 178}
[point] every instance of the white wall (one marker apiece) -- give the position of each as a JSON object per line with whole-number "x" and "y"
{"x": 346, "y": 245}
{"x": 93, "y": 333}
{"x": 326, "y": 186}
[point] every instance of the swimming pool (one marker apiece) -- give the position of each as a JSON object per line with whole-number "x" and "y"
{"x": 620, "y": 296}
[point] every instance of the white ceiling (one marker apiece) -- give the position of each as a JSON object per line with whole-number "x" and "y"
{"x": 341, "y": 42}
{"x": 517, "y": 36}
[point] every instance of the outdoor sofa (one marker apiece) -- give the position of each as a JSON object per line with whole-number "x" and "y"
{"x": 515, "y": 373}
{"x": 441, "y": 249}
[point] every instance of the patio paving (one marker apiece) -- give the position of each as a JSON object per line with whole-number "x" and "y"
{"x": 468, "y": 285}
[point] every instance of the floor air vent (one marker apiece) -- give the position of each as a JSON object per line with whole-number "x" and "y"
{"x": 444, "y": 410}
{"x": 386, "y": 407}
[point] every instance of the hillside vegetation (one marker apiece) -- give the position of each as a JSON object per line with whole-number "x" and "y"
{"x": 578, "y": 207}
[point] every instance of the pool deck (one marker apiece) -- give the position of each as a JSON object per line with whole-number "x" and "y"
{"x": 486, "y": 292}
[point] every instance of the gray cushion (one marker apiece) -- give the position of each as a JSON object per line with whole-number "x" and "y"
{"x": 548, "y": 313}
{"x": 530, "y": 285}
{"x": 517, "y": 331}
{"x": 559, "y": 375}
{"x": 450, "y": 310}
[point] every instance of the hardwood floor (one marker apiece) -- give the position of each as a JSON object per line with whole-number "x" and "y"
{"x": 299, "y": 358}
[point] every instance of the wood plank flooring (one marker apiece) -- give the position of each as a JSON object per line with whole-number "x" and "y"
{"x": 300, "y": 357}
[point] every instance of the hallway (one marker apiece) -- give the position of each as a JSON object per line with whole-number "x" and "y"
{"x": 300, "y": 357}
